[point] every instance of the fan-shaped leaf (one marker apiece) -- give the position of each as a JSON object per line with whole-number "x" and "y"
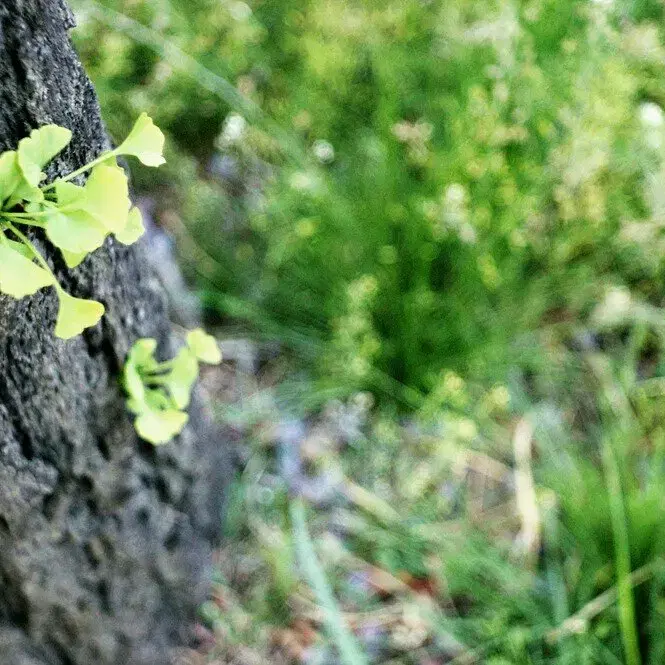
{"x": 37, "y": 150}
{"x": 10, "y": 174}
{"x": 182, "y": 377}
{"x": 204, "y": 347}
{"x": 107, "y": 197}
{"x": 134, "y": 228}
{"x": 76, "y": 314}
{"x": 73, "y": 259}
{"x": 160, "y": 427}
{"x": 76, "y": 231}
{"x": 19, "y": 276}
{"x": 145, "y": 141}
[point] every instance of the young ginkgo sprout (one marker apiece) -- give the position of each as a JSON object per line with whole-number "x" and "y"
{"x": 159, "y": 392}
{"x": 76, "y": 219}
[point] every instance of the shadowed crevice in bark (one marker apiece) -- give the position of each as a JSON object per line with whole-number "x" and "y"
{"x": 105, "y": 541}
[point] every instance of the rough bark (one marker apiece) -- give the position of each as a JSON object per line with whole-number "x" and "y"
{"x": 105, "y": 541}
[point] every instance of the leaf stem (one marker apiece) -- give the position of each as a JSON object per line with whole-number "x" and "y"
{"x": 25, "y": 221}
{"x": 86, "y": 167}
{"x": 24, "y": 215}
{"x": 156, "y": 379}
{"x": 160, "y": 367}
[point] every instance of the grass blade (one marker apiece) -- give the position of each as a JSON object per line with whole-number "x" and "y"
{"x": 621, "y": 552}
{"x": 347, "y": 646}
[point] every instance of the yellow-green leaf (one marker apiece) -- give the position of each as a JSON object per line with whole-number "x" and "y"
{"x": 142, "y": 353}
{"x": 134, "y": 228}
{"x": 10, "y": 174}
{"x": 76, "y": 231}
{"x": 145, "y": 141}
{"x": 107, "y": 197}
{"x": 73, "y": 259}
{"x": 134, "y": 384}
{"x": 181, "y": 378}
{"x": 22, "y": 249}
{"x": 156, "y": 399}
{"x": 38, "y": 149}
{"x": 19, "y": 276}
{"x": 13, "y": 185}
{"x": 69, "y": 194}
{"x": 158, "y": 427}
{"x": 76, "y": 314}
{"x": 204, "y": 347}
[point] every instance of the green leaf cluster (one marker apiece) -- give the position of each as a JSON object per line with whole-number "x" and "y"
{"x": 76, "y": 218}
{"x": 159, "y": 392}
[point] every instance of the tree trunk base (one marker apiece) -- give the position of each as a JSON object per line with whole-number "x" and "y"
{"x": 105, "y": 541}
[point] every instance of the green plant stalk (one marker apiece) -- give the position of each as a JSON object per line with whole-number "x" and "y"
{"x": 26, "y": 219}
{"x": 155, "y": 379}
{"x": 29, "y": 215}
{"x": 80, "y": 171}
{"x": 556, "y": 579}
{"x": 160, "y": 367}
{"x": 349, "y": 650}
{"x": 626, "y": 601}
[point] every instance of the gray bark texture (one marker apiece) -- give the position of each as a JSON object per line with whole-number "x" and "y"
{"x": 105, "y": 541}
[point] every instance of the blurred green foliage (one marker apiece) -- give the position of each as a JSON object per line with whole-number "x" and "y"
{"x": 450, "y": 175}
{"x": 460, "y": 207}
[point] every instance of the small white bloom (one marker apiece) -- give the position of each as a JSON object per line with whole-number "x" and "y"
{"x": 240, "y": 11}
{"x": 323, "y": 151}
{"x": 455, "y": 194}
{"x": 652, "y": 115}
{"x": 618, "y": 300}
{"x": 615, "y": 308}
{"x": 302, "y": 181}
{"x": 233, "y": 129}
{"x": 454, "y": 213}
{"x": 467, "y": 234}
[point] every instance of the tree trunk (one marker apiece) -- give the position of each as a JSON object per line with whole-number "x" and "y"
{"x": 105, "y": 541}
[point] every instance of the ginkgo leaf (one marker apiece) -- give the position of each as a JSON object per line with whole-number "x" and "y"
{"x": 19, "y": 276}
{"x": 142, "y": 353}
{"x": 134, "y": 228}
{"x": 107, "y": 197}
{"x": 10, "y": 174}
{"x": 145, "y": 141}
{"x": 150, "y": 399}
{"x": 76, "y": 220}
{"x": 34, "y": 206}
{"x": 73, "y": 259}
{"x": 134, "y": 385}
{"x": 25, "y": 192}
{"x": 136, "y": 407}
{"x": 181, "y": 378}
{"x": 76, "y": 314}
{"x": 37, "y": 150}
{"x": 157, "y": 400}
{"x": 69, "y": 194}
{"x": 74, "y": 230}
{"x": 21, "y": 248}
{"x": 158, "y": 427}
{"x": 13, "y": 185}
{"x": 204, "y": 347}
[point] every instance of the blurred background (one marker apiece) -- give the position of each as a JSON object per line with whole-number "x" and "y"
{"x": 430, "y": 237}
